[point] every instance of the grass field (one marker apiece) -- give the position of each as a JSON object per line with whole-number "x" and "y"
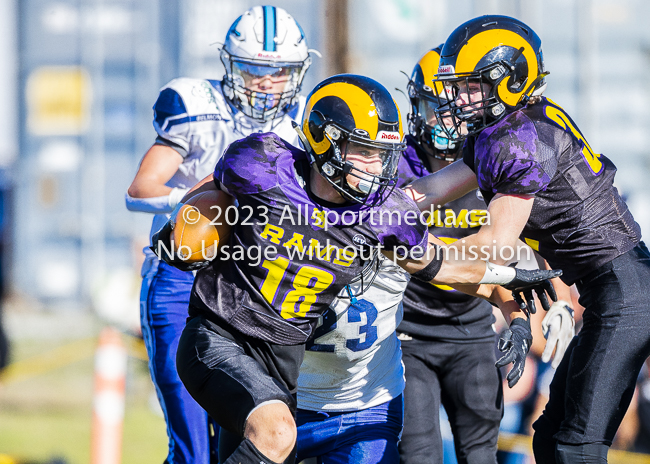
{"x": 46, "y": 405}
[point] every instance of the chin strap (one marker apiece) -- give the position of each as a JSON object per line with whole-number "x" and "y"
{"x": 303, "y": 141}
{"x": 532, "y": 87}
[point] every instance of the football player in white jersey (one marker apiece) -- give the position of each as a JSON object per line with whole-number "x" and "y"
{"x": 350, "y": 405}
{"x": 265, "y": 55}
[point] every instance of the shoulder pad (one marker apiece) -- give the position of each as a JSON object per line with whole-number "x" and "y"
{"x": 250, "y": 165}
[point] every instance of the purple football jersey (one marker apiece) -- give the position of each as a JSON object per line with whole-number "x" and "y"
{"x": 578, "y": 221}
{"x": 296, "y": 252}
{"x": 438, "y": 311}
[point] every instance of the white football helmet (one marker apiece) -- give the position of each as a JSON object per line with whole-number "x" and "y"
{"x": 266, "y": 56}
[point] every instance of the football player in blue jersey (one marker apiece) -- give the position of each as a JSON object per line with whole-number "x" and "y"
{"x": 265, "y": 55}
{"x": 544, "y": 183}
{"x": 313, "y": 216}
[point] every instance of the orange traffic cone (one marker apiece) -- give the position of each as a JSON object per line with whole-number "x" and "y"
{"x": 108, "y": 398}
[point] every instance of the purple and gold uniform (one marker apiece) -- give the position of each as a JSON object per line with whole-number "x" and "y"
{"x": 430, "y": 310}
{"x": 270, "y": 303}
{"x": 578, "y": 221}
{"x": 280, "y": 300}
{"x": 448, "y": 340}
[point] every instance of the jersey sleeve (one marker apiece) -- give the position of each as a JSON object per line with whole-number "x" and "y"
{"x": 508, "y": 158}
{"x": 249, "y": 165}
{"x": 171, "y": 121}
{"x": 400, "y": 227}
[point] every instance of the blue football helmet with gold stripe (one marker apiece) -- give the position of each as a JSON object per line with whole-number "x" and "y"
{"x": 346, "y": 114}
{"x": 422, "y": 120}
{"x": 489, "y": 67}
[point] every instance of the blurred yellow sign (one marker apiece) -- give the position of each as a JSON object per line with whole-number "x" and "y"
{"x": 58, "y": 100}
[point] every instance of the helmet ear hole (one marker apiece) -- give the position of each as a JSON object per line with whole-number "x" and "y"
{"x": 316, "y": 120}
{"x": 519, "y": 76}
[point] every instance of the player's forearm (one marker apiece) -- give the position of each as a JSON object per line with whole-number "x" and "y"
{"x": 148, "y": 187}
{"x": 481, "y": 291}
{"x": 485, "y": 246}
{"x": 440, "y": 265}
{"x": 158, "y": 166}
{"x": 506, "y": 304}
{"x": 163, "y": 203}
{"x": 441, "y": 187}
{"x": 459, "y": 272}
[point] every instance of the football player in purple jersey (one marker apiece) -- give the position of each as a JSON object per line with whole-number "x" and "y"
{"x": 312, "y": 218}
{"x": 447, "y": 336}
{"x": 546, "y": 185}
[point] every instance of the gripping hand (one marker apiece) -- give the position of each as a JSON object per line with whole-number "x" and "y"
{"x": 515, "y": 343}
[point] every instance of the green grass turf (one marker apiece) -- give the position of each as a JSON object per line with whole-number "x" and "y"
{"x": 48, "y": 414}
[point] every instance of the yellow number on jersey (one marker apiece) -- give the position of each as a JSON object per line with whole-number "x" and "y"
{"x": 559, "y": 117}
{"x": 301, "y": 291}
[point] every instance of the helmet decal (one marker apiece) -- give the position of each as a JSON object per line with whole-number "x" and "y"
{"x": 233, "y": 28}
{"x": 429, "y": 66}
{"x": 345, "y": 93}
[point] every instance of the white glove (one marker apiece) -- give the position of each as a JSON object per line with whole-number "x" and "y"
{"x": 559, "y": 328}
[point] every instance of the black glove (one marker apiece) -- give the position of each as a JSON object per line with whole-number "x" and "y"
{"x": 515, "y": 343}
{"x": 162, "y": 247}
{"x": 527, "y": 280}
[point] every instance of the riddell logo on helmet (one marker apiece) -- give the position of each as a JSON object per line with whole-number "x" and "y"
{"x": 446, "y": 69}
{"x": 392, "y": 136}
{"x": 268, "y": 56}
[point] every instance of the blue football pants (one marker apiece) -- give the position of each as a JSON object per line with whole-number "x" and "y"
{"x": 369, "y": 436}
{"x": 164, "y": 301}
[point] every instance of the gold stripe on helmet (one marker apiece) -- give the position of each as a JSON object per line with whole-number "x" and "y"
{"x": 360, "y": 104}
{"x": 429, "y": 65}
{"x": 479, "y": 45}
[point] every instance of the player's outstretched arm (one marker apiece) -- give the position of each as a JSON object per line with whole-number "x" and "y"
{"x": 477, "y": 277}
{"x": 148, "y": 192}
{"x": 443, "y": 186}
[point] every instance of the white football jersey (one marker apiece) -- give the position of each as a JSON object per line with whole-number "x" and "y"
{"x": 194, "y": 115}
{"x": 354, "y": 361}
